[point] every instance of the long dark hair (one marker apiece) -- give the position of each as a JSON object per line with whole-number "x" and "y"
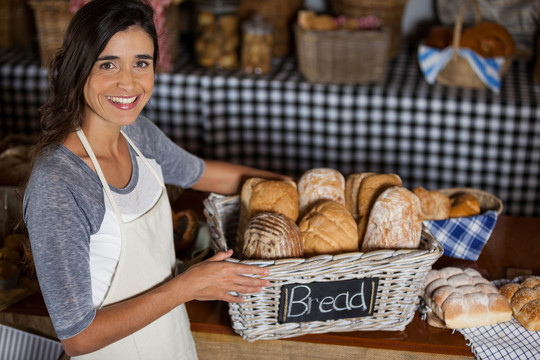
{"x": 88, "y": 33}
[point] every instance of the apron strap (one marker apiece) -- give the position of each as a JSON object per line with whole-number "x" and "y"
{"x": 99, "y": 172}
{"x": 158, "y": 178}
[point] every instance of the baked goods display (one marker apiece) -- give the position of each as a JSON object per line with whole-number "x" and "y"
{"x": 524, "y": 298}
{"x": 217, "y": 40}
{"x": 272, "y": 236}
{"x": 310, "y": 20}
{"x": 395, "y": 221}
{"x": 329, "y": 211}
{"x": 329, "y": 228}
{"x": 462, "y": 298}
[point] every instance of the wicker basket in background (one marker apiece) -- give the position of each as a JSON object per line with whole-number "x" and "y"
{"x": 52, "y": 19}
{"x": 401, "y": 275}
{"x": 389, "y": 11}
{"x": 342, "y": 56}
{"x": 458, "y": 72}
{"x": 53, "y": 16}
{"x": 16, "y": 24}
{"x": 5, "y": 23}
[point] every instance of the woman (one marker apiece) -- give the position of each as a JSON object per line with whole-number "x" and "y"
{"x": 96, "y": 207}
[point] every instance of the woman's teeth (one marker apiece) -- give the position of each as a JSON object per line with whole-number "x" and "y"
{"x": 122, "y": 100}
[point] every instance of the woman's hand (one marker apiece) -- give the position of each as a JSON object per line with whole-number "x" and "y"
{"x": 215, "y": 278}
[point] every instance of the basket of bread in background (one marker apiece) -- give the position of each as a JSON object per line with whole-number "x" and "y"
{"x": 473, "y": 55}
{"x": 344, "y": 254}
{"x": 341, "y": 49}
{"x": 461, "y": 219}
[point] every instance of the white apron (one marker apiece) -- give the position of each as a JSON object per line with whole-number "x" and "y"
{"x": 147, "y": 259}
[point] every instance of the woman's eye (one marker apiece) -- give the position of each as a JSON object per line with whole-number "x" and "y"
{"x": 106, "y": 65}
{"x": 142, "y": 64}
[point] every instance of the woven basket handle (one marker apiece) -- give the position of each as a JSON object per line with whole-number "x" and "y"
{"x": 459, "y": 22}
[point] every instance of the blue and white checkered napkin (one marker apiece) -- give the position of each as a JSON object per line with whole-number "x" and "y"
{"x": 508, "y": 340}
{"x": 463, "y": 237}
{"x": 433, "y": 60}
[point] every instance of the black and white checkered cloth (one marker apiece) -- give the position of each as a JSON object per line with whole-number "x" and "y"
{"x": 433, "y": 136}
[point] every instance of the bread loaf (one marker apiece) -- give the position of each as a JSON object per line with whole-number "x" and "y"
{"x": 272, "y": 236}
{"x": 463, "y": 298}
{"x": 243, "y": 218}
{"x": 262, "y": 195}
{"x": 395, "y": 221}
{"x": 370, "y": 188}
{"x": 318, "y": 185}
{"x": 352, "y": 186}
{"x": 524, "y": 298}
{"x": 435, "y": 205}
{"x": 329, "y": 228}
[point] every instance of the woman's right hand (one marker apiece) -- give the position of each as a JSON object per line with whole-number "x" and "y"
{"x": 214, "y": 279}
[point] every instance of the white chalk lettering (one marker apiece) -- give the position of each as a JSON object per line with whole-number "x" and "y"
{"x": 305, "y": 306}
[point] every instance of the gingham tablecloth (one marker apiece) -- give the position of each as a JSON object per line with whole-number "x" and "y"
{"x": 431, "y": 135}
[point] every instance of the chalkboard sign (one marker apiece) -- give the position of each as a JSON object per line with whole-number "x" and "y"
{"x": 332, "y": 300}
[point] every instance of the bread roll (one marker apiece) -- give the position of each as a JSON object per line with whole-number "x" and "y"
{"x": 463, "y": 299}
{"x": 352, "y": 186}
{"x": 329, "y": 228}
{"x": 524, "y": 299}
{"x": 395, "y": 222}
{"x": 318, "y": 185}
{"x": 435, "y": 205}
{"x": 464, "y": 204}
{"x": 272, "y": 236}
{"x": 529, "y": 316}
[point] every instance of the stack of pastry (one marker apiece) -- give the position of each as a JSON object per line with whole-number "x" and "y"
{"x": 462, "y": 299}
{"x": 524, "y": 298}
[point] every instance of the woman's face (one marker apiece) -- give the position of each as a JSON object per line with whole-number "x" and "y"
{"x": 122, "y": 79}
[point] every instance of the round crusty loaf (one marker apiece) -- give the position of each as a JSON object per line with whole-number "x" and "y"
{"x": 329, "y": 228}
{"x": 395, "y": 221}
{"x": 318, "y": 185}
{"x": 272, "y": 236}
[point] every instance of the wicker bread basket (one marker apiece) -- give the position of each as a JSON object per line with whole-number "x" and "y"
{"x": 486, "y": 200}
{"x": 458, "y": 71}
{"x": 402, "y": 274}
{"x": 341, "y": 56}
{"x": 389, "y": 11}
{"x": 52, "y": 19}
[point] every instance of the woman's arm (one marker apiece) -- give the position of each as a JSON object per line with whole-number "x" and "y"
{"x": 209, "y": 280}
{"x": 227, "y": 178}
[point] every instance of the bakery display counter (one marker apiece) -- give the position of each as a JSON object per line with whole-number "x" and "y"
{"x": 432, "y": 136}
{"x": 512, "y": 250}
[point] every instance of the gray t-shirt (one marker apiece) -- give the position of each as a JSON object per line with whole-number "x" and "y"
{"x": 64, "y": 205}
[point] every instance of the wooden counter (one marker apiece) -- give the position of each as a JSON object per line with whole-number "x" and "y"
{"x": 513, "y": 248}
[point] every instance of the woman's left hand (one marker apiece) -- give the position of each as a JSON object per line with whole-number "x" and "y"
{"x": 214, "y": 279}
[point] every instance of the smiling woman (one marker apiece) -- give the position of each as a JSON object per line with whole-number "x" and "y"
{"x": 96, "y": 207}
